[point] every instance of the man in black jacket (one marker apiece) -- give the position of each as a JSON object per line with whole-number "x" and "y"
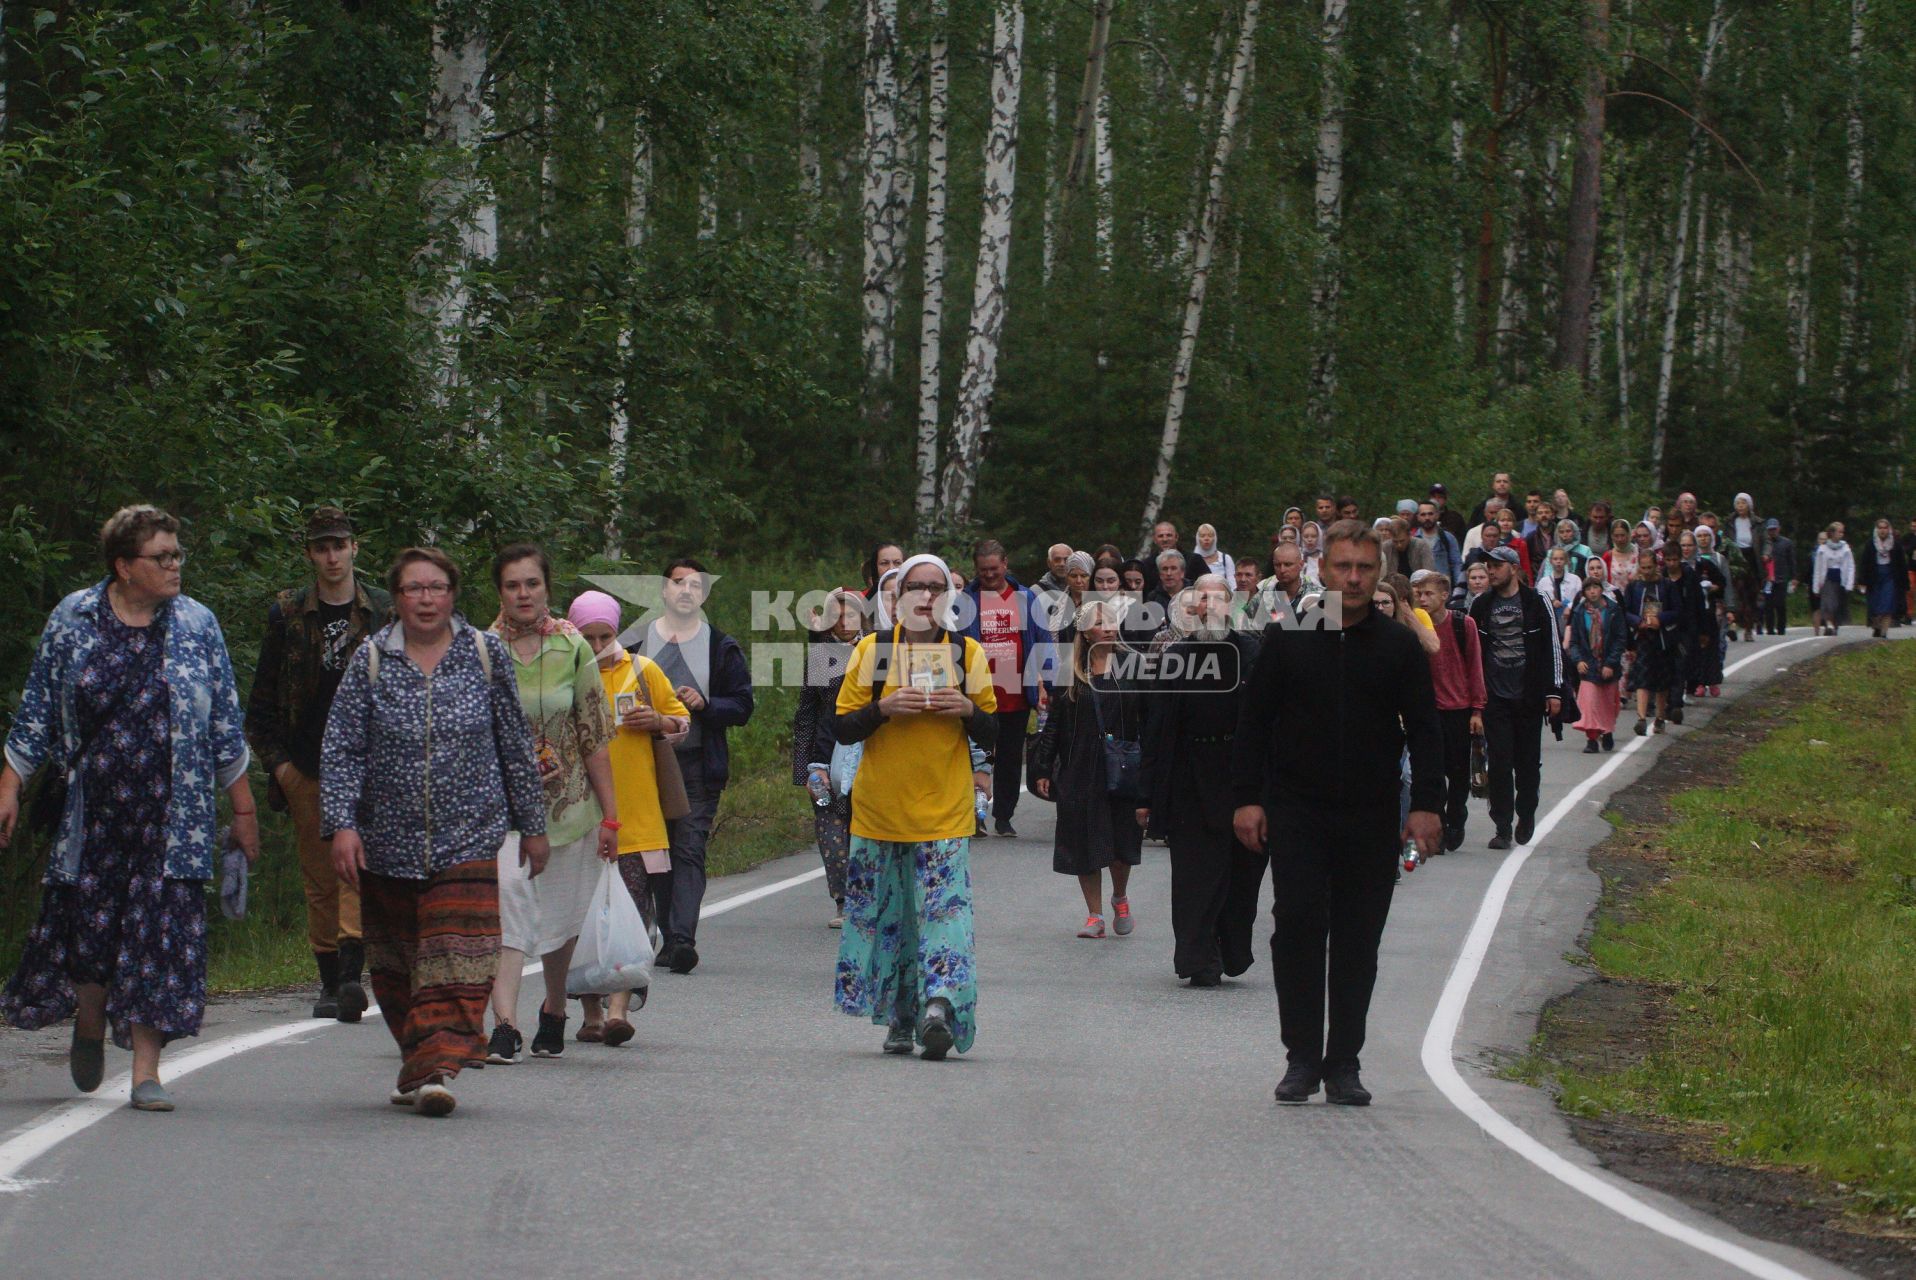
{"x": 1781, "y": 578}
{"x": 707, "y": 668}
{"x": 1316, "y": 774}
{"x": 1523, "y": 670}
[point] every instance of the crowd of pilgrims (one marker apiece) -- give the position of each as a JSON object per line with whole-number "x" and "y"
{"x": 460, "y": 795}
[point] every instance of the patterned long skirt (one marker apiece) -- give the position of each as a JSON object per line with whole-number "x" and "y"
{"x": 908, "y": 934}
{"x": 832, "y": 826}
{"x": 432, "y": 947}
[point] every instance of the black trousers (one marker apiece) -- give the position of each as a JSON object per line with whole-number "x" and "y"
{"x": 685, "y": 889}
{"x": 1332, "y": 875}
{"x": 1008, "y": 763}
{"x": 1214, "y": 886}
{"x": 1456, "y": 725}
{"x": 1776, "y": 609}
{"x": 1515, "y": 735}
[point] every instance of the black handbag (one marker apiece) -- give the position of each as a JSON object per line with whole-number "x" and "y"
{"x": 1123, "y": 759}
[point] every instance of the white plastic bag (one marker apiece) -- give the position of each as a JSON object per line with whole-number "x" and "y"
{"x": 614, "y": 951}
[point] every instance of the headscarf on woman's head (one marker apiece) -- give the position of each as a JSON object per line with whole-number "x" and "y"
{"x": 1286, "y": 517}
{"x": 913, "y": 562}
{"x": 589, "y": 607}
{"x": 1080, "y": 560}
{"x": 1656, "y": 534}
{"x": 1312, "y": 524}
{"x": 881, "y": 615}
{"x": 1746, "y": 498}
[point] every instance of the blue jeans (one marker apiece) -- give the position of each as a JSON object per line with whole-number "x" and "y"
{"x": 688, "y": 836}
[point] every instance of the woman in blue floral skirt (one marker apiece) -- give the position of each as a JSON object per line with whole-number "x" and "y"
{"x": 917, "y": 695}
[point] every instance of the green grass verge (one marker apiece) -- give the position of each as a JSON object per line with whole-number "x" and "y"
{"x": 1784, "y": 942}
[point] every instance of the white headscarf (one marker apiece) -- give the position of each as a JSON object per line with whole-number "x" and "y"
{"x": 904, "y": 571}
{"x": 881, "y": 616}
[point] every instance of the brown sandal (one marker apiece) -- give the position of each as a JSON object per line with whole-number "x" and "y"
{"x": 590, "y": 1033}
{"x": 617, "y": 1032}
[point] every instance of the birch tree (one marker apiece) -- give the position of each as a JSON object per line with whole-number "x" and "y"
{"x": 1680, "y": 234}
{"x": 1850, "y": 357}
{"x": 1327, "y": 275}
{"x": 880, "y": 206}
{"x": 931, "y": 319}
{"x": 971, "y": 420}
{"x": 811, "y": 187}
{"x": 465, "y": 213}
{"x": 1204, "y": 244}
{"x": 638, "y": 210}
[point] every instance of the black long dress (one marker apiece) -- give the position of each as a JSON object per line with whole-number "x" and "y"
{"x": 1094, "y": 829}
{"x": 1188, "y": 737}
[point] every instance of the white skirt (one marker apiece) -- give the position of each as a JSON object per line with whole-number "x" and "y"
{"x": 537, "y": 917}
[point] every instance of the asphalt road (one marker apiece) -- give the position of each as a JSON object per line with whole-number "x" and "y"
{"x": 1109, "y": 1120}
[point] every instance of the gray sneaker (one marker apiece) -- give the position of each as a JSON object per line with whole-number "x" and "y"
{"x": 149, "y": 1096}
{"x": 1121, "y": 921}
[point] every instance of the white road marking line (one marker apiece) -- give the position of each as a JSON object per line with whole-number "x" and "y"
{"x": 1440, "y": 1063}
{"x": 52, "y": 1127}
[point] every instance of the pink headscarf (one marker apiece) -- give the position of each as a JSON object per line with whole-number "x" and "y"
{"x": 591, "y": 607}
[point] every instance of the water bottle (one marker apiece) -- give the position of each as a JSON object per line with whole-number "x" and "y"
{"x": 820, "y": 787}
{"x": 1412, "y": 858}
{"x": 1037, "y": 721}
{"x": 981, "y": 803}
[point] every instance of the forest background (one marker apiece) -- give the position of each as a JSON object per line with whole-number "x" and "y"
{"x": 767, "y": 281}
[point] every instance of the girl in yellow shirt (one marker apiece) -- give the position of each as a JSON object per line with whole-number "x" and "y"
{"x": 644, "y": 705}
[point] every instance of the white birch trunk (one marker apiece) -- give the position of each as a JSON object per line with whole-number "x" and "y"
{"x": 1204, "y": 247}
{"x": 708, "y": 193}
{"x": 1326, "y": 277}
{"x": 879, "y": 209}
{"x": 638, "y": 211}
{"x": 465, "y": 213}
{"x": 931, "y": 319}
{"x": 1103, "y": 176}
{"x": 971, "y": 419}
{"x": 1673, "y": 283}
{"x": 1850, "y": 357}
{"x": 1700, "y": 282}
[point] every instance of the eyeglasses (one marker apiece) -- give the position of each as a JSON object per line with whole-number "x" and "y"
{"x": 166, "y": 559}
{"x": 923, "y": 588}
{"x": 425, "y": 590}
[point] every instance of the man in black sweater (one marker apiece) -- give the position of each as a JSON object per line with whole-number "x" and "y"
{"x": 1316, "y": 774}
{"x": 1523, "y": 671}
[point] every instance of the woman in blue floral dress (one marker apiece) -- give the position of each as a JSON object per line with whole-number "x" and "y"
{"x": 132, "y": 697}
{"x": 917, "y": 696}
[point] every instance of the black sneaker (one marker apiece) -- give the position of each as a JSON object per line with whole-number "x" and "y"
{"x": 1342, "y": 1088}
{"x": 1609, "y": 742}
{"x": 550, "y": 1040}
{"x": 936, "y": 1031}
{"x": 898, "y": 1040}
{"x": 1453, "y": 840}
{"x": 1004, "y": 827}
{"x": 1526, "y": 827}
{"x": 1590, "y": 747}
{"x": 1500, "y": 841}
{"x": 1207, "y": 978}
{"x": 1676, "y": 717}
{"x": 504, "y": 1047}
{"x": 1298, "y": 1084}
{"x": 980, "y": 833}
{"x": 685, "y": 958}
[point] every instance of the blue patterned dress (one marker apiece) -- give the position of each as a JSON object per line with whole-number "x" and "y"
{"x": 122, "y": 923}
{"x": 908, "y": 934}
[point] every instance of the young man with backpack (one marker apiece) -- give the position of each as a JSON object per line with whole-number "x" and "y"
{"x": 312, "y": 633}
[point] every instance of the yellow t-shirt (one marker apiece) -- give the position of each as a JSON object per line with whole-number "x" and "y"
{"x": 635, "y": 778}
{"x": 914, "y": 780}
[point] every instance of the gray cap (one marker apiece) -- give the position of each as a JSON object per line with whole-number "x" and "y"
{"x": 1504, "y": 555}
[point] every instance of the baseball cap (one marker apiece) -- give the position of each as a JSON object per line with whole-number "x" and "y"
{"x": 1504, "y": 555}
{"x": 1438, "y": 487}
{"x": 328, "y": 522}
{"x": 1772, "y": 523}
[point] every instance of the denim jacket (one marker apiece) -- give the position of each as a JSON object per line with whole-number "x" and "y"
{"x": 208, "y": 747}
{"x": 430, "y": 770}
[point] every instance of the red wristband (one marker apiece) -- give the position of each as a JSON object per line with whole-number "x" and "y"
{"x": 609, "y": 824}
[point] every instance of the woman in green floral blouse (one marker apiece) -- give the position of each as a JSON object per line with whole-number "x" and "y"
{"x": 572, "y": 727}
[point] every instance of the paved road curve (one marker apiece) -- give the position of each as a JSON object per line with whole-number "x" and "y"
{"x": 1109, "y": 1120}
